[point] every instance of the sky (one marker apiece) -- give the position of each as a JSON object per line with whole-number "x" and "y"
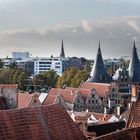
{"x": 38, "y": 26}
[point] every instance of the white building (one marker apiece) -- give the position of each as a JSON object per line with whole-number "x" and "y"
{"x": 7, "y": 62}
{"x": 44, "y": 64}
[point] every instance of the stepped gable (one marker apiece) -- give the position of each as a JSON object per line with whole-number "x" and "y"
{"x": 84, "y": 92}
{"x": 102, "y": 89}
{"x": 38, "y": 123}
{"x": 68, "y": 95}
{"x": 62, "y": 53}
{"x": 134, "y": 66}
{"x": 99, "y": 73}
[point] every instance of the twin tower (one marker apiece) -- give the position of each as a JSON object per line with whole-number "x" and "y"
{"x": 100, "y": 75}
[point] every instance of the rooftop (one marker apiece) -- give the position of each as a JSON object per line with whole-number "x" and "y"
{"x": 38, "y": 123}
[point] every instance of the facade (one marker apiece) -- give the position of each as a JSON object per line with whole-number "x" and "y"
{"x": 9, "y": 93}
{"x": 7, "y": 62}
{"x": 94, "y": 102}
{"x": 26, "y": 65}
{"x": 73, "y": 99}
{"x": 57, "y": 64}
{"x": 77, "y": 62}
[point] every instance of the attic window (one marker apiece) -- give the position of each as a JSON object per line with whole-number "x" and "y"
{"x": 113, "y": 90}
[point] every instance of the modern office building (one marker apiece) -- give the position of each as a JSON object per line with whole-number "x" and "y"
{"x": 53, "y": 63}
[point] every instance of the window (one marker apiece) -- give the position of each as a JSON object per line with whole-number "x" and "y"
{"x": 45, "y": 62}
{"x": 92, "y": 95}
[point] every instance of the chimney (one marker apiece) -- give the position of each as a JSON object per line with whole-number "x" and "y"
{"x": 105, "y": 110}
{"x": 129, "y": 105}
{"x": 118, "y": 110}
{"x": 134, "y": 93}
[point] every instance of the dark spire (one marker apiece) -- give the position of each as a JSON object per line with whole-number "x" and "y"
{"x": 134, "y": 66}
{"x": 62, "y": 53}
{"x": 98, "y": 73}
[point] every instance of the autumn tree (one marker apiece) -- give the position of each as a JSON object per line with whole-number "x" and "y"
{"x": 72, "y": 77}
{"x": 46, "y": 79}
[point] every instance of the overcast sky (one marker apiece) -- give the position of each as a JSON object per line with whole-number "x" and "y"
{"x": 38, "y": 26}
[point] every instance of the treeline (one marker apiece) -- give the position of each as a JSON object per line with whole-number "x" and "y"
{"x": 14, "y": 76}
{"x": 71, "y": 77}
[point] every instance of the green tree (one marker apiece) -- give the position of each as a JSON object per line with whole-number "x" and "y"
{"x": 16, "y": 75}
{"x": 1, "y": 64}
{"x": 45, "y": 79}
{"x": 72, "y": 77}
{"x": 23, "y": 81}
{"x": 5, "y": 75}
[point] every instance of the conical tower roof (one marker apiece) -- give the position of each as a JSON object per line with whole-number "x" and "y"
{"x": 134, "y": 66}
{"x": 62, "y": 53}
{"x": 98, "y": 73}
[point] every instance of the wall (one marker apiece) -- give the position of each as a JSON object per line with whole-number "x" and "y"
{"x": 9, "y": 92}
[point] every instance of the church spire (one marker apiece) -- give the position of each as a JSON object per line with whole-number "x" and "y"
{"x": 62, "y": 53}
{"x": 134, "y": 66}
{"x": 98, "y": 73}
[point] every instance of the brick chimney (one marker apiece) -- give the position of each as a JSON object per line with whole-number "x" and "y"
{"x": 134, "y": 93}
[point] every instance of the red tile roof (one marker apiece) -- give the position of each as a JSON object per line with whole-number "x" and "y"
{"x": 68, "y": 95}
{"x": 25, "y": 99}
{"x": 127, "y": 134}
{"x": 83, "y": 116}
{"x": 101, "y": 88}
{"x": 84, "y": 92}
{"x": 133, "y": 119}
{"x": 38, "y": 123}
{"x": 50, "y": 99}
{"x": 8, "y": 86}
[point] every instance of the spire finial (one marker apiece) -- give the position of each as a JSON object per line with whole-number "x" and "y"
{"x": 99, "y": 43}
{"x": 62, "y": 53}
{"x": 134, "y": 44}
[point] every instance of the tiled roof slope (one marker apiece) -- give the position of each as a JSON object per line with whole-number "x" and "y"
{"x": 134, "y": 115}
{"x": 25, "y": 100}
{"x": 84, "y": 92}
{"x": 50, "y": 99}
{"x": 68, "y": 95}
{"x": 8, "y": 86}
{"x": 38, "y": 123}
{"x": 128, "y": 134}
{"x": 101, "y": 88}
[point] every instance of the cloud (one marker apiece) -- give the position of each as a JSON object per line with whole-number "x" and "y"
{"x": 80, "y": 39}
{"x": 86, "y": 25}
